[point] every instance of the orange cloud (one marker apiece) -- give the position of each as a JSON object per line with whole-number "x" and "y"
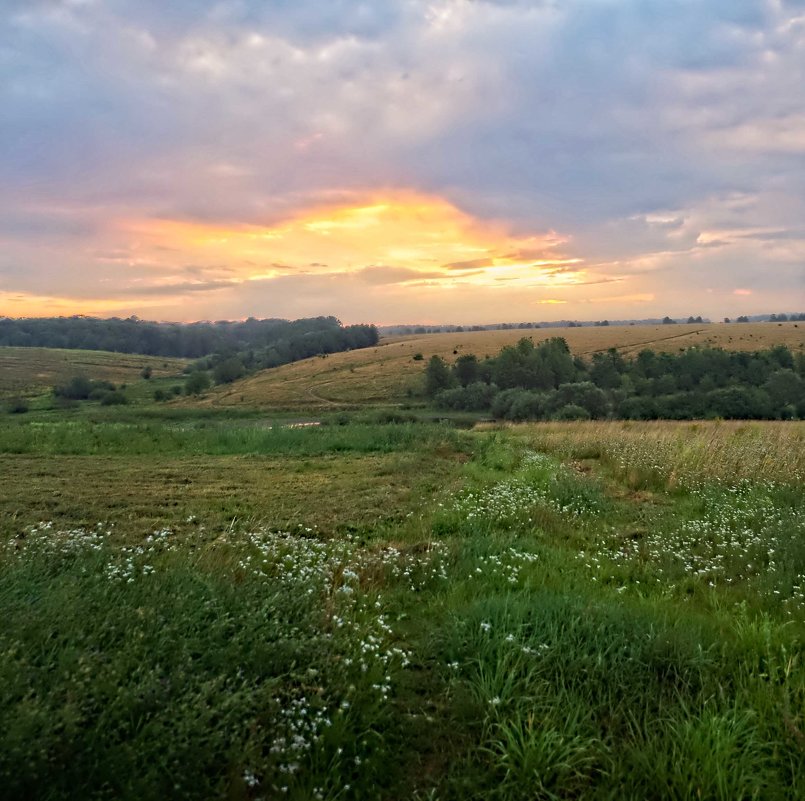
{"x": 427, "y": 237}
{"x": 26, "y": 304}
{"x": 742, "y": 292}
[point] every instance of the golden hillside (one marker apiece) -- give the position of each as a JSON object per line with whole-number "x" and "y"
{"x": 388, "y": 373}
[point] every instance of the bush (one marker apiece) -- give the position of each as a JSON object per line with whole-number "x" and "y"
{"x": 638, "y": 408}
{"x": 228, "y": 370}
{"x": 197, "y": 383}
{"x": 146, "y": 372}
{"x": 17, "y": 405}
{"x": 572, "y": 412}
{"x": 418, "y": 357}
{"x": 584, "y": 394}
{"x": 502, "y": 403}
{"x": 739, "y": 403}
{"x": 114, "y": 399}
{"x": 473, "y": 398}
{"x": 77, "y": 388}
{"x": 160, "y": 395}
{"x": 528, "y": 406}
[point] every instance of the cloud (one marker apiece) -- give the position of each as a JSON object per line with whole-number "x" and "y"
{"x": 662, "y": 141}
{"x": 380, "y": 275}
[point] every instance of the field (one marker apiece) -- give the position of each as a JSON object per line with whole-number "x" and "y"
{"x": 31, "y": 371}
{"x": 389, "y": 373}
{"x": 214, "y": 604}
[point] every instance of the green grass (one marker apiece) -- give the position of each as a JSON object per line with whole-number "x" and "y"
{"x": 29, "y": 372}
{"x": 391, "y": 611}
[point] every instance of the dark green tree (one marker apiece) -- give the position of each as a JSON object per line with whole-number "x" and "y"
{"x": 437, "y": 376}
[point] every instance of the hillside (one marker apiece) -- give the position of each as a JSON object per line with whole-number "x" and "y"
{"x": 30, "y": 371}
{"x": 388, "y": 373}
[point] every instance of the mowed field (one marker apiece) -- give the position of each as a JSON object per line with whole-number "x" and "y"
{"x": 31, "y": 371}
{"x": 197, "y": 605}
{"x": 388, "y": 373}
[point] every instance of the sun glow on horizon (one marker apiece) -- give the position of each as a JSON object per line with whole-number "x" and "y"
{"x": 414, "y": 238}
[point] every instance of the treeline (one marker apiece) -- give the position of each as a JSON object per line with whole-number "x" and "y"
{"x": 228, "y": 364}
{"x": 541, "y": 382}
{"x": 400, "y": 330}
{"x": 272, "y": 341}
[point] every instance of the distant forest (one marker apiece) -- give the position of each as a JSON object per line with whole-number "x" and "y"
{"x": 541, "y": 382}
{"x": 449, "y": 328}
{"x": 261, "y": 343}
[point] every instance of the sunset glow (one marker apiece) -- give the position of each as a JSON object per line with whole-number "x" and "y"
{"x": 401, "y": 162}
{"x": 401, "y": 239}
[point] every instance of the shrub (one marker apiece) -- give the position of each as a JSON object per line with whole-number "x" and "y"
{"x": 114, "y": 399}
{"x": 473, "y": 398}
{"x": 17, "y": 405}
{"x": 572, "y": 412}
{"x": 528, "y": 406}
{"x": 584, "y": 394}
{"x": 77, "y": 388}
{"x": 228, "y": 370}
{"x": 197, "y": 383}
{"x": 739, "y": 403}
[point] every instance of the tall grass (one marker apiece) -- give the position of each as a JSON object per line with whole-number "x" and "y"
{"x": 666, "y": 453}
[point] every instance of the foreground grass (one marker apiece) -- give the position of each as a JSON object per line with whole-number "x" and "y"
{"x": 575, "y": 612}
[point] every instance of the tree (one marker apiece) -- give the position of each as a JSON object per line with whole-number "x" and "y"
{"x": 228, "y": 370}
{"x": 785, "y": 387}
{"x": 466, "y": 369}
{"x": 437, "y": 376}
{"x": 197, "y": 383}
{"x": 604, "y": 372}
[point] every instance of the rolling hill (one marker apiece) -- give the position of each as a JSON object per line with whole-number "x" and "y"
{"x": 31, "y": 371}
{"x": 389, "y": 374}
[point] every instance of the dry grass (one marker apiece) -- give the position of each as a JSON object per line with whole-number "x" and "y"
{"x": 30, "y": 371}
{"x": 143, "y": 493}
{"x": 673, "y": 453}
{"x": 387, "y": 373}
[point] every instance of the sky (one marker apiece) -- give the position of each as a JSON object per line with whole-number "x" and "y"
{"x": 404, "y": 161}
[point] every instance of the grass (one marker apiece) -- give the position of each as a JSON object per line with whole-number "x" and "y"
{"x": 31, "y": 371}
{"x": 389, "y": 374}
{"x": 602, "y": 611}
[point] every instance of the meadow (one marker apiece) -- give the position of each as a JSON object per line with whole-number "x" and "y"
{"x": 31, "y": 371}
{"x": 392, "y": 373}
{"x": 219, "y": 604}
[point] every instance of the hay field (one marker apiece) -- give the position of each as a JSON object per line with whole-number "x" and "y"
{"x": 388, "y": 372}
{"x": 30, "y": 371}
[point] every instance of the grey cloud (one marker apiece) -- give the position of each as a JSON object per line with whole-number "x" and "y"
{"x": 581, "y": 116}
